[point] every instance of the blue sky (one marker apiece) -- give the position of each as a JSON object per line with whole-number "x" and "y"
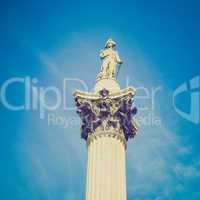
{"x": 50, "y": 40}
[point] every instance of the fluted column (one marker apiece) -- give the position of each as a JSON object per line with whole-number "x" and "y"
{"x": 107, "y": 124}
{"x": 106, "y": 167}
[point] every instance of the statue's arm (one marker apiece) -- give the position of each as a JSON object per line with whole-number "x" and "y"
{"x": 118, "y": 58}
{"x": 103, "y": 53}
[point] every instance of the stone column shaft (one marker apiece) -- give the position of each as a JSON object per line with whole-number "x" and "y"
{"x": 106, "y": 169}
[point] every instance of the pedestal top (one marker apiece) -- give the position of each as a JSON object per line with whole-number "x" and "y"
{"x": 109, "y": 84}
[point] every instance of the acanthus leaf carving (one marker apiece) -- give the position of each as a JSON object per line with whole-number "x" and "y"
{"x": 105, "y": 113}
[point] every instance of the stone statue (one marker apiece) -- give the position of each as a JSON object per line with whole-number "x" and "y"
{"x": 110, "y": 60}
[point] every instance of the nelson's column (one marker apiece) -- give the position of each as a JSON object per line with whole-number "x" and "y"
{"x": 107, "y": 124}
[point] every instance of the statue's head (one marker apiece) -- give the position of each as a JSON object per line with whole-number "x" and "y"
{"x": 110, "y": 43}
